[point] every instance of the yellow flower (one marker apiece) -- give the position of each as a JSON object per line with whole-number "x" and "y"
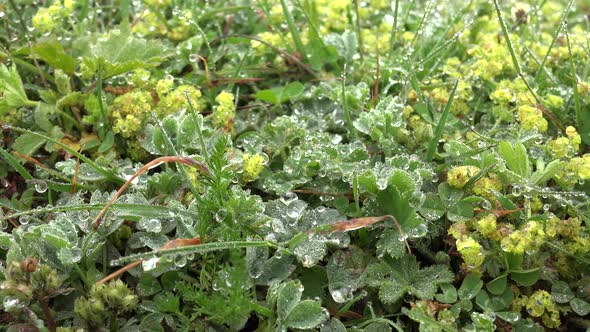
{"x": 459, "y": 176}
{"x": 252, "y": 166}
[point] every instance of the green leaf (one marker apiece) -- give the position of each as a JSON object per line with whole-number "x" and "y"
{"x": 471, "y": 285}
{"x": 433, "y": 207}
{"x": 148, "y": 285}
{"x": 289, "y": 295}
{"x": 279, "y": 95}
{"x": 5, "y": 240}
{"x": 516, "y": 158}
{"x": 526, "y": 277}
{"x": 53, "y": 54}
{"x": 334, "y": 325}
{"x": 448, "y": 295}
{"x": 396, "y": 277}
{"x": 580, "y": 307}
{"x": 542, "y": 176}
{"x": 383, "y": 122}
{"x": 389, "y": 242}
{"x": 346, "y": 44}
{"x": 119, "y": 52}
{"x": 12, "y": 94}
{"x": 305, "y": 315}
{"x": 498, "y": 285}
{"x": 346, "y": 273}
{"x": 514, "y": 260}
{"x": 440, "y": 126}
{"x": 561, "y": 292}
{"x": 461, "y": 211}
{"x": 427, "y": 323}
{"x": 509, "y": 316}
{"x": 167, "y": 302}
{"x": 27, "y": 144}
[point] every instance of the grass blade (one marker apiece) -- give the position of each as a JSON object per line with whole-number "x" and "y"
{"x": 294, "y": 32}
{"x": 109, "y": 175}
{"x": 194, "y": 249}
{"x": 15, "y": 164}
{"x": 141, "y": 210}
{"x": 441, "y": 125}
{"x": 555, "y": 35}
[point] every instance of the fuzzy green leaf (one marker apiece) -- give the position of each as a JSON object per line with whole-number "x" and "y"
{"x": 305, "y": 315}
{"x": 397, "y": 277}
{"x": 12, "y": 93}
{"x": 515, "y": 157}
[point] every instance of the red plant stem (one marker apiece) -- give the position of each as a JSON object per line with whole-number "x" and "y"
{"x": 143, "y": 169}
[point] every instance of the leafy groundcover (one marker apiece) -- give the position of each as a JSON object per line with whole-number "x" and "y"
{"x": 286, "y": 165}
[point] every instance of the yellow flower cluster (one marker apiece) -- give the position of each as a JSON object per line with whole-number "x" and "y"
{"x": 129, "y": 111}
{"x": 539, "y": 304}
{"x": 459, "y": 176}
{"x": 176, "y": 100}
{"x": 529, "y": 238}
{"x": 46, "y": 19}
{"x": 486, "y": 226}
{"x": 532, "y": 118}
{"x": 223, "y": 113}
{"x": 471, "y": 251}
{"x": 178, "y": 28}
{"x": 565, "y": 146}
{"x": 252, "y": 166}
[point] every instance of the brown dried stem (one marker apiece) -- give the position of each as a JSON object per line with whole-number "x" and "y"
{"x": 167, "y": 159}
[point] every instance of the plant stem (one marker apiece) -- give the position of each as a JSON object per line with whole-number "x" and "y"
{"x": 51, "y": 326}
{"x": 358, "y": 30}
{"x": 294, "y": 32}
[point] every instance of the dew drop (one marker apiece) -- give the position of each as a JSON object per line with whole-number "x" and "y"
{"x": 220, "y": 215}
{"x": 40, "y": 186}
{"x": 288, "y": 197}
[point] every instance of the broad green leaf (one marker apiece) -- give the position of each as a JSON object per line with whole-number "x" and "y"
{"x": 433, "y": 207}
{"x": 527, "y": 325}
{"x": 526, "y": 277}
{"x": 279, "y": 95}
{"x": 12, "y": 94}
{"x": 306, "y": 315}
{"x": 542, "y": 176}
{"x": 345, "y": 43}
{"x": 391, "y": 242}
{"x": 52, "y": 53}
{"x": 561, "y": 292}
{"x": 382, "y": 122}
{"x": 509, "y": 316}
{"x": 334, "y": 325}
{"x": 580, "y": 306}
{"x": 5, "y": 240}
{"x": 498, "y": 285}
{"x": 148, "y": 285}
{"x": 516, "y": 158}
{"x": 119, "y": 52}
{"x": 448, "y": 295}
{"x": 288, "y": 297}
{"x": 470, "y": 287}
{"x": 398, "y": 276}
{"x": 461, "y": 211}
{"x": 514, "y": 261}
{"x": 346, "y": 273}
